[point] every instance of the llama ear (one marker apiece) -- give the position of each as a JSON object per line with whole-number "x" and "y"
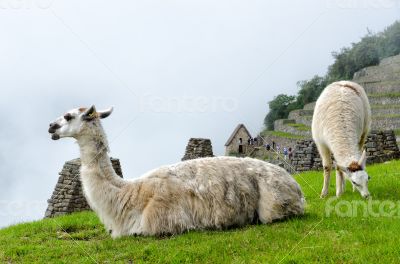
{"x": 90, "y": 114}
{"x": 363, "y": 160}
{"x": 105, "y": 113}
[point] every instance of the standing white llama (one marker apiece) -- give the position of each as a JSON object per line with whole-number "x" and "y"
{"x": 340, "y": 125}
{"x": 207, "y": 193}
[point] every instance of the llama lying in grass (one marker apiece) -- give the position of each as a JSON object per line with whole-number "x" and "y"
{"x": 341, "y": 122}
{"x": 208, "y": 193}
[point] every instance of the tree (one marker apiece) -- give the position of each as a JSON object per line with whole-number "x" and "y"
{"x": 279, "y": 108}
{"x": 389, "y": 41}
{"x": 310, "y": 90}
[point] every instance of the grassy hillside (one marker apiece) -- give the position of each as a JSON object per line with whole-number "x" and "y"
{"x": 353, "y": 233}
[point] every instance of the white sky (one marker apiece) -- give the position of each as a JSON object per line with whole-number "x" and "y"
{"x": 172, "y": 70}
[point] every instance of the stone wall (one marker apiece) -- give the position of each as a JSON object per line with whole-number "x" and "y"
{"x": 381, "y": 146}
{"x": 198, "y": 148}
{"x": 306, "y": 120}
{"x": 296, "y": 114}
{"x": 306, "y": 156}
{"x": 68, "y": 195}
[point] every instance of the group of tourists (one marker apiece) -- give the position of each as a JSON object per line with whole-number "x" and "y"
{"x": 287, "y": 152}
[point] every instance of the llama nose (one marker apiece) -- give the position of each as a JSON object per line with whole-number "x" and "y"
{"x": 53, "y": 127}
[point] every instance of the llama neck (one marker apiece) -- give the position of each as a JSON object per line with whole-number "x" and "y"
{"x": 94, "y": 150}
{"x": 94, "y": 157}
{"x": 346, "y": 157}
{"x": 101, "y": 184}
{"x": 345, "y": 152}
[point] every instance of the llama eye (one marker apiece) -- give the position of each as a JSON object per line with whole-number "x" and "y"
{"x": 68, "y": 117}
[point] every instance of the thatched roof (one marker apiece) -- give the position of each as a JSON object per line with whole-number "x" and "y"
{"x": 235, "y": 132}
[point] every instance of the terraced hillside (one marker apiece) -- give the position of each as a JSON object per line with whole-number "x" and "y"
{"x": 382, "y": 84}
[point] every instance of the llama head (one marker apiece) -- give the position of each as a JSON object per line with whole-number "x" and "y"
{"x": 77, "y": 122}
{"x": 356, "y": 173}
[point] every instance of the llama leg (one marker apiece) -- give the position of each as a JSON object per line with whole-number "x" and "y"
{"x": 360, "y": 147}
{"x": 340, "y": 182}
{"x": 327, "y": 163}
{"x": 265, "y": 208}
{"x": 273, "y": 205}
{"x": 343, "y": 181}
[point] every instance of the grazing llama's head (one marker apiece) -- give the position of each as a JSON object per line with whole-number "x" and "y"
{"x": 357, "y": 175}
{"x": 77, "y": 122}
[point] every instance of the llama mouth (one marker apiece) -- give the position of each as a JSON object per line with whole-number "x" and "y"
{"x": 55, "y": 137}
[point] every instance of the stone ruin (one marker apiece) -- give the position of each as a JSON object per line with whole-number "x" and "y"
{"x": 198, "y": 148}
{"x": 381, "y": 146}
{"x": 68, "y": 195}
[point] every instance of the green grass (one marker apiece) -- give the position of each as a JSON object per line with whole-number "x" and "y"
{"x": 282, "y": 134}
{"x": 386, "y": 116}
{"x": 300, "y": 127}
{"x": 288, "y": 121}
{"x": 391, "y": 95}
{"x": 317, "y": 237}
{"x": 397, "y": 132}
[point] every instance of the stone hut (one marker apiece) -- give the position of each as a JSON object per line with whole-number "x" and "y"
{"x": 237, "y": 142}
{"x": 68, "y": 195}
{"x": 198, "y": 148}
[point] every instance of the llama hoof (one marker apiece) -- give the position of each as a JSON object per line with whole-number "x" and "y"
{"x": 323, "y": 195}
